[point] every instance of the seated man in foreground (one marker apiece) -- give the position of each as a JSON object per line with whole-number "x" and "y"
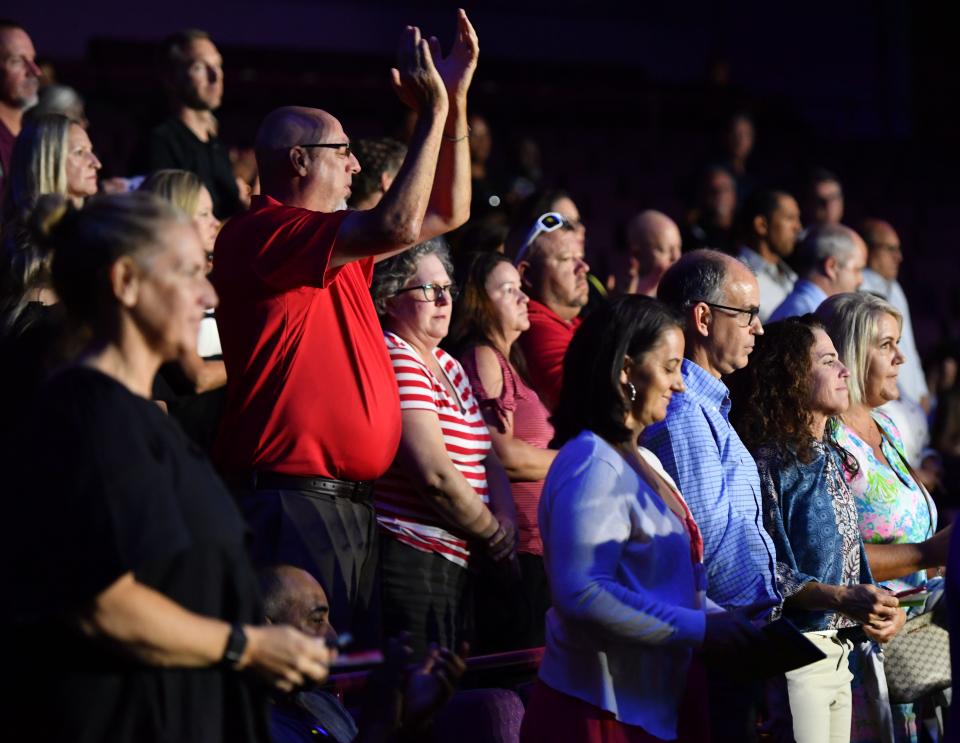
{"x": 397, "y": 704}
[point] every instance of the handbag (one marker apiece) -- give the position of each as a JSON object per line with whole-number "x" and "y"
{"x": 917, "y": 659}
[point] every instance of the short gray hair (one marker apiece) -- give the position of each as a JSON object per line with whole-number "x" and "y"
{"x": 821, "y": 242}
{"x": 698, "y": 276}
{"x": 852, "y": 321}
{"x": 390, "y": 275}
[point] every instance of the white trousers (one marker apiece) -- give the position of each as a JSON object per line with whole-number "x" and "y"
{"x": 819, "y": 693}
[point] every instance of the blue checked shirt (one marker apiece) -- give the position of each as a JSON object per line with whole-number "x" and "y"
{"x": 718, "y": 478}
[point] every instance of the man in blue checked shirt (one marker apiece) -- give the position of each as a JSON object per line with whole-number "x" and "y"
{"x": 719, "y": 299}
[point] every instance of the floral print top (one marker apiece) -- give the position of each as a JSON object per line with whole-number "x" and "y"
{"x": 811, "y": 516}
{"x": 892, "y": 507}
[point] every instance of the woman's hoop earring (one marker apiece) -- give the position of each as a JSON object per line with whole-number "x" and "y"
{"x": 633, "y": 391}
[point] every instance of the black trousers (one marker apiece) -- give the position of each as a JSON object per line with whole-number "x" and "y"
{"x": 424, "y": 594}
{"x": 510, "y": 613}
{"x": 332, "y": 538}
{"x": 734, "y": 707}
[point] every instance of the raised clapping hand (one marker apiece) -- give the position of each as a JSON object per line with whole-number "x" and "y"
{"x": 415, "y": 78}
{"x": 456, "y": 69}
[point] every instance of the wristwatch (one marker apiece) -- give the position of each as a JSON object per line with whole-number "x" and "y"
{"x": 236, "y": 644}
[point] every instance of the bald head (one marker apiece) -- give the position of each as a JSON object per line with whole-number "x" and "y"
{"x": 883, "y": 247}
{"x": 296, "y": 172}
{"x": 289, "y": 126}
{"x": 293, "y": 596}
{"x": 654, "y": 241}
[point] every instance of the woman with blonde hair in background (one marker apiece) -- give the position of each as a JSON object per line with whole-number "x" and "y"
{"x": 52, "y": 155}
{"x": 894, "y": 508}
{"x": 194, "y": 388}
{"x": 186, "y": 191}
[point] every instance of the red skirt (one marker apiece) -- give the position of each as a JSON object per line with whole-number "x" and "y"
{"x": 553, "y": 716}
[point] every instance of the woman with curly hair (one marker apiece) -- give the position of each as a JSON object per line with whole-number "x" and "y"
{"x": 787, "y": 399}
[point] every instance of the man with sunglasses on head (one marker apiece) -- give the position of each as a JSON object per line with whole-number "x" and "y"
{"x": 313, "y": 413}
{"x": 719, "y": 298}
{"x": 554, "y": 275}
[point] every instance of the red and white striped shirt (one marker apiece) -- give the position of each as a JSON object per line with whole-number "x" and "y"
{"x": 401, "y": 510}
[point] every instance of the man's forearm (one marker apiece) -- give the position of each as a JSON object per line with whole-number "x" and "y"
{"x": 395, "y": 224}
{"x": 449, "y": 205}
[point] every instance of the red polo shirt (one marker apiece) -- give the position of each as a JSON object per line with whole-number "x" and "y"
{"x": 310, "y": 388}
{"x": 544, "y": 346}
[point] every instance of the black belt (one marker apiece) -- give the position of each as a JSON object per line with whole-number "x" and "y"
{"x": 359, "y": 492}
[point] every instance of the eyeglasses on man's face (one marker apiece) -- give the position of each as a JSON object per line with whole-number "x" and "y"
{"x": 344, "y": 146}
{"x": 549, "y": 222}
{"x": 432, "y": 292}
{"x": 745, "y": 315}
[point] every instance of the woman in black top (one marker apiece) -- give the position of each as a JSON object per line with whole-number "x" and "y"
{"x": 133, "y": 609}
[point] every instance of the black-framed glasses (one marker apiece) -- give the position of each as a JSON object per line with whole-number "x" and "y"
{"x": 432, "y": 292}
{"x": 752, "y": 313}
{"x": 549, "y": 222}
{"x": 332, "y": 146}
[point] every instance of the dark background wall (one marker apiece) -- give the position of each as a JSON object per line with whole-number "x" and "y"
{"x": 619, "y": 95}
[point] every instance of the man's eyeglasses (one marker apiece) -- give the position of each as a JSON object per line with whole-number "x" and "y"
{"x": 752, "y": 313}
{"x": 433, "y": 292}
{"x": 333, "y": 146}
{"x": 549, "y": 222}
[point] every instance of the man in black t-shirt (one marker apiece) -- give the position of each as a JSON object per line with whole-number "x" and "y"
{"x": 192, "y": 71}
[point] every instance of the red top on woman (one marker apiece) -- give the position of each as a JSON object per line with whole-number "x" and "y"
{"x": 531, "y": 424}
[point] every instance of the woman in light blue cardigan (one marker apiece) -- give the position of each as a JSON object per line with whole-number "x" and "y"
{"x": 621, "y": 549}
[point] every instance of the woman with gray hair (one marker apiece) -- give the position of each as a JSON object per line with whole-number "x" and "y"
{"x": 446, "y": 487}
{"x": 893, "y": 506}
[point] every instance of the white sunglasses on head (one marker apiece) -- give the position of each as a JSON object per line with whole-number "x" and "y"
{"x": 549, "y": 222}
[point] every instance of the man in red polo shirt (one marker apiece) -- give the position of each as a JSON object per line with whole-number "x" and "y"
{"x": 313, "y": 412}
{"x": 554, "y": 275}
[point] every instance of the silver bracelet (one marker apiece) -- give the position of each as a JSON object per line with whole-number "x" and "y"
{"x": 459, "y": 139}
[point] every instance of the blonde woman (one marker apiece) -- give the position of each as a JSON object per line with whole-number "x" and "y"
{"x": 186, "y": 191}
{"x": 894, "y": 509}
{"x": 201, "y": 369}
{"x": 52, "y": 155}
